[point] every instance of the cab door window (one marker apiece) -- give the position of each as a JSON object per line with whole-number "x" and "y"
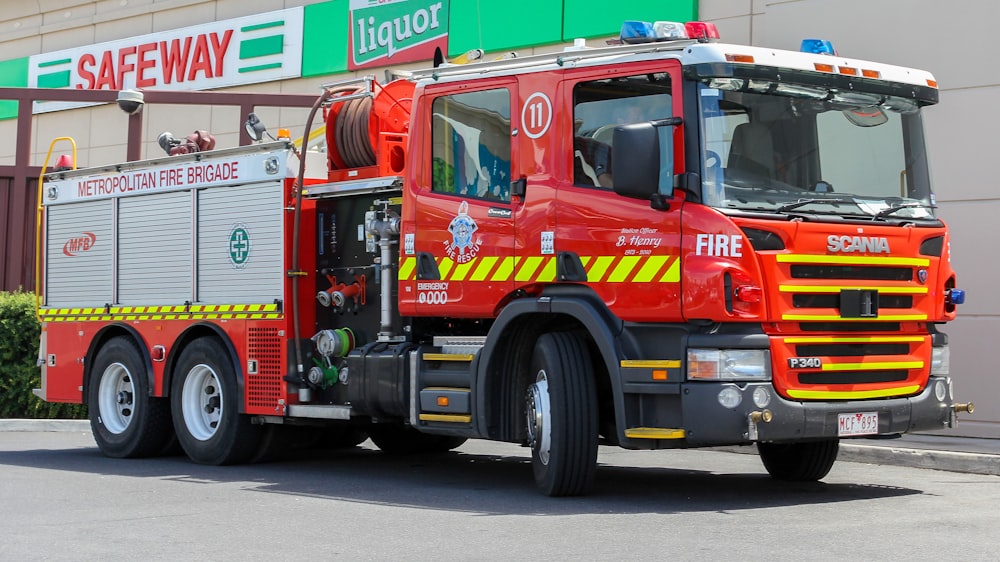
{"x": 471, "y": 144}
{"x": 601, "y": 105}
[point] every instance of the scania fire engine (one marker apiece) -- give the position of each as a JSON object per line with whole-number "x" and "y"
{"x": 668, "y": 243}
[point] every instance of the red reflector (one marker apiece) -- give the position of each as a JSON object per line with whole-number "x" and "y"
{"x": 932, "y": 83}
{"x": 748, "y": 293}
{"x": 158, "y": 353}
{"x": 701, "y": 30}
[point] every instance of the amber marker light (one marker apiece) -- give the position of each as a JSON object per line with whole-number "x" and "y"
{"x": 442, "y": 401}
{"x": 659, "y": 374}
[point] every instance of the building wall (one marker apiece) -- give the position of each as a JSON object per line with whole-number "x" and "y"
{"x": 906, "y": 32}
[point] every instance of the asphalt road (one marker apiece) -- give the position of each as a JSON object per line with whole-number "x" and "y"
{"x": 63, "y": 501}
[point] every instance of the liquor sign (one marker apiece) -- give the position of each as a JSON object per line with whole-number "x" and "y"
{"x": 385, "y": 32}
{"x": 247, "y": 50}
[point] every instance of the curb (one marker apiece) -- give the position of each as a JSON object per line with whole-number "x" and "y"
{"x": 44, "y": 425}
{"x": 935, "y": 459}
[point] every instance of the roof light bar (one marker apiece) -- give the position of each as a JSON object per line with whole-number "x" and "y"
{"x": 818, "y": 47}
{"x": 634, "y": 31}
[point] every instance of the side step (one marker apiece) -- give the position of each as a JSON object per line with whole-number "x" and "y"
{"x": 441, "y": 383}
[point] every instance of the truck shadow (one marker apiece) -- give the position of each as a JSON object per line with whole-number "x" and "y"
{"x": 470, "y": 482}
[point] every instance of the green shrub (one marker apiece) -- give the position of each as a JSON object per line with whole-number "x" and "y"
{"x": 19, "y": 373}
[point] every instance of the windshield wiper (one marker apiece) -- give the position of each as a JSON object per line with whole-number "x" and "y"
{"x": 804, "y": 202}
{"x": 891, "y": 210}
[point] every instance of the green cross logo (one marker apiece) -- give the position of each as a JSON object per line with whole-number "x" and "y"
{"x": 239, "y": 246}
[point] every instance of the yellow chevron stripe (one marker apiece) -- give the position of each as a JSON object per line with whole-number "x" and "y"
{"x": 483, "y": 269}
{"x": 444, "y": 267}
{"x": 856, "y": 339}
{"x": 623, "y": 269}
{"x": 527, "y": 270}
{"x": 597, "y": 271}
{"x": 876, "y": 366}
{"x": 852, "y": 260}
{"x": 835, "y": 318}
{"x": 836, "y": 289}
{"x": 462, "y": 269}
{"x": 673, "y": 275}
{"x": 505, "y": 270}
{"x": 548, "y": 273}
{"x": 407, "y": 266}
{"x": 649, "y": 269}
{"x": 852, "y": 394}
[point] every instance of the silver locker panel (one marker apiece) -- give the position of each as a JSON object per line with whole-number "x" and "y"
{"x": 240, "y": 249}
{"x": 154, "y": 249}
{"x": 79, "y": 252}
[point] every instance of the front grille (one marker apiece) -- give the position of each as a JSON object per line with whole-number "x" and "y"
{"x": 853, "y": 377}
{"x": 851, "y": 272}
{"x": 851, "y": 349}
{"x": 849, "y": 326}
{"x": 833, "y": 301}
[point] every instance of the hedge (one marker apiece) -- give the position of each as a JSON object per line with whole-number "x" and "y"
{"x": 19, "y": 373}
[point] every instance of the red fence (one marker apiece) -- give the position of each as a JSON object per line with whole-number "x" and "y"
{"x": 17, "y": 232}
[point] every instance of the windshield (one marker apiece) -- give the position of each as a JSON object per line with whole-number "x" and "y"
{"x": 781, "y": 147}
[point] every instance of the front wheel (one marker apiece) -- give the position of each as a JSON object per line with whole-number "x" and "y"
{"x": 125, "y": 419}
{"x": 562, "y": 416}
{"x": 799, "y": 462}
{"x": 204, "y": 400}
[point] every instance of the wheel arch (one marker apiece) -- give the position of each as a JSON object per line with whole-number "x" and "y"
{"x": 502, "y": 376}
{"x": 195, "y": 332}
{"x": 102, "y": 337}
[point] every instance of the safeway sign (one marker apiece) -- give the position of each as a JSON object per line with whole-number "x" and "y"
{"x": 247, "y": 50}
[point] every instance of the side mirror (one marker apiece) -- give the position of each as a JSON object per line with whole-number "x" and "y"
{"x": 636, "y": 164}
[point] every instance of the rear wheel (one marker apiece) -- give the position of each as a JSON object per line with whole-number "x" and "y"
{"x": 125, "y": 419}
{"x": 799, "y": 462}
{"x": 562, "y": 416}
{"x": 404, "y": 440}
{"x": 205, "y": 404}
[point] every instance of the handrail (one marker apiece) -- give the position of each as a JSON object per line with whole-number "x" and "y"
{"x": 38, "y": 221}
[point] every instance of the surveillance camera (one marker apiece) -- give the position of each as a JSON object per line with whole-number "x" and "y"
{"x": 130, "y": 101}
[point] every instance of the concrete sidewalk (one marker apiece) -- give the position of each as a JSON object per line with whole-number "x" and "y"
{"x": 954, "y": 454}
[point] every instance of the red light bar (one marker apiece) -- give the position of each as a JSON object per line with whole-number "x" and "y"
{"x": 701, "y": 30}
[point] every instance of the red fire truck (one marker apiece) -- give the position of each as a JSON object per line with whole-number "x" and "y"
{"x": 668, "y": 243}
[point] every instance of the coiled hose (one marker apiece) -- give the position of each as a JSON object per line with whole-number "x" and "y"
{"x": 349, "y": 128}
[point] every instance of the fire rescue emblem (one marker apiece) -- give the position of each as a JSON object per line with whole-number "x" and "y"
{"x": 462, "y": 248}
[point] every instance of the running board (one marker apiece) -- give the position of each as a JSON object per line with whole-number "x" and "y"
{"x": 319, "y": 412}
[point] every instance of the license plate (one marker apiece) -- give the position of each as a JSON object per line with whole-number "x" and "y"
{"x": 864, "y": 423}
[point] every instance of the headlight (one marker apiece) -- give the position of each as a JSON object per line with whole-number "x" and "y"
{"x": 940, "y": 361}
{"x": 728, "y": 364}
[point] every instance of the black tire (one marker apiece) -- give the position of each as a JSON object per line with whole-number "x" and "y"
{"x": 126, "y": 421}
{"x": 562, "y": 416}
{"x": 799, "y": 462}
{"x": 205, "y": 402}
{"x": 404, "y": 440}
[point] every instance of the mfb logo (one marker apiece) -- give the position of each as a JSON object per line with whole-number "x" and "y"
{"x": 79, "y": 244}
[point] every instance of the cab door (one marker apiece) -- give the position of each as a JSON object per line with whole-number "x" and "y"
{"x": 460, "y": 243}
{"x": 629, "y": 250}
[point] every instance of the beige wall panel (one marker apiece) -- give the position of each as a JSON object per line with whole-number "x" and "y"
{"x": 734, "y": 30}
{"x": 226, "y": 9}
{"x": 67, "y": 39}
{"x": 712, "y": 10}
{"x": 53, "y": 5}
{"x": 103, "y": 155}
{"x": 109, "y": 126}
{"x": 72, "y": 14}
{"x": 120, "y": 8}
{"x": 8, "y": 130}
{"x": 225, "y": 120}
{"x": 122, "y": 28}
{"x": 959, "y": 168}
{"x": 23, "y": 47}
{"x": 181, "y": 120}
{"x": 974, "y": 228}
{"x": 73, "y": 123}
{"x": 184, "y": 17}
{"x": 12, "y": 10}
{"x": 973, "y": 369}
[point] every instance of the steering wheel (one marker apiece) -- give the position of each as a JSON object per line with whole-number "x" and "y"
{"x": 713, "y": 161}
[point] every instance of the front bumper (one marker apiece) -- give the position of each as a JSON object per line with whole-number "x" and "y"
{"x": 709, "y": 423}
